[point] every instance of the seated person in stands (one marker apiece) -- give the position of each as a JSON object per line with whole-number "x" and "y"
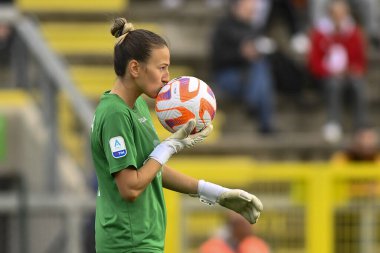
{"x": 366, "y": 12}
{"x": 364, "y": 147}
{"x": 5, "y": 54}
{"x": 241, "y": 69}
{"x": 337, "y": 59}
{"x": 173, "y": 4}
{"x": 235, "y": 237}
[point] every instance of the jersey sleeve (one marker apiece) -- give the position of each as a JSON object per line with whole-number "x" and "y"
{"x": 118, "y": 143}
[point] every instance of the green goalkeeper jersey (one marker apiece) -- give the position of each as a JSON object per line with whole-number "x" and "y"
{"x": 124, "y": 137}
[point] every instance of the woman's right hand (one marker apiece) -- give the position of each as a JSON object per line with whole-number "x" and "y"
{"x": 178, "y": 141}
{"x": 248, "y": 50}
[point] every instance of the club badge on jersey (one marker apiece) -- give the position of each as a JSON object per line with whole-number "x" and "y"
{"x": 117, "y": 146}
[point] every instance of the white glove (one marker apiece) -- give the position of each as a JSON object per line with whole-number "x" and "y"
{"x": 242, "y": 202}
{"x": 248, "y": 205}
{"x": 178, "y": 141}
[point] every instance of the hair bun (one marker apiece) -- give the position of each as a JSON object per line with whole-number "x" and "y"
{"x": 120, "y": 27}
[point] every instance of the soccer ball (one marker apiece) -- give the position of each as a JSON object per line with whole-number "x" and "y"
{"x": 185, "y": 98}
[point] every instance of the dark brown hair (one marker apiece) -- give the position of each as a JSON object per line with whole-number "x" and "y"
{"x": 132, "y": 44}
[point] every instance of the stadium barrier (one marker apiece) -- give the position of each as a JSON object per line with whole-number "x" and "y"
{"x": 311, "y": 208}
{"x": 308, "y": 208}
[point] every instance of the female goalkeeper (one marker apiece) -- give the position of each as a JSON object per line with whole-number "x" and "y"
{"x": 129, "y": 158}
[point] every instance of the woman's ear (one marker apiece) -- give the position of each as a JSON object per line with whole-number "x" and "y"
{"x": 133, "y": 68}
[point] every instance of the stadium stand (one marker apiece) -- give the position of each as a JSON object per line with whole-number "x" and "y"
{"x": 297, "y": 138}
{"x": 94, "y": 80}
{"x": 84, "y": 38}
{"x": 71, "y": 6}
{"x": 188, "y": 39}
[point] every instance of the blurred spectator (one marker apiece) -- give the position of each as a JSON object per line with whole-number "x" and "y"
{"x": 268, "y": 13}
{"x": 5, "y": 53}
{"x": 337, "y": 58}
{"x": 364, "y": 147}
{"x": 270, "y": 10}
{"x": 240, "y": 66}
{"x": 267, "y": 10}
{"x": 235, "y": 237}
{"x": 172, "y": 4}
{"x": 366, "y": 12}
{"x": 5, "y": 37}
{"x": 289, "y": 74}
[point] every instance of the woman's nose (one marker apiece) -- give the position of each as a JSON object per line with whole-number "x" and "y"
{"x": 166, "y": 78}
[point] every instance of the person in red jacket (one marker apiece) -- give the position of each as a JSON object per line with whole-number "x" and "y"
{"x": 337, "y": 58}
{"x": 236, "y": 237}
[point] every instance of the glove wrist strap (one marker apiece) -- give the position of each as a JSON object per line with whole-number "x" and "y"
{"x": 209, "y": 192}
{"x": 162, "y": 153}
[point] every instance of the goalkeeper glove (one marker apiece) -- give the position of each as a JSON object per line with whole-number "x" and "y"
{"x": 178, "y": 141}
{"x": 242, "y": 202}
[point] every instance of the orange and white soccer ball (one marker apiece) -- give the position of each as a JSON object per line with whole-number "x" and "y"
{"x": 185, "y": 98}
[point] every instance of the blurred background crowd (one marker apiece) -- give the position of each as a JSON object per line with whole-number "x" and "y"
{"x": 297, "y": 88}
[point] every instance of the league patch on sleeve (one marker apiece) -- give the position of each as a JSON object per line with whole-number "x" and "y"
{"x": 117, "y": 146}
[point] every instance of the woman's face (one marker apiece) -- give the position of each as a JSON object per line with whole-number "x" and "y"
{"x": 244, "y": 10}
{"x": 339, "y": 12}
{"x": 155, "y": 72}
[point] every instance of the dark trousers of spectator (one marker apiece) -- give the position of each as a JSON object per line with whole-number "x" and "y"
{"x": 335, "y": 88}
{"x": 253, "y": 87}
